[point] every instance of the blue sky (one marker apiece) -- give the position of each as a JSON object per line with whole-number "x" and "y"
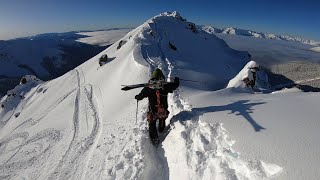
{"x": 27, "y": 17}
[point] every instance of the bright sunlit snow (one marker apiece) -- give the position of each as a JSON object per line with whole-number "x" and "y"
{"x": 82, "y": 126}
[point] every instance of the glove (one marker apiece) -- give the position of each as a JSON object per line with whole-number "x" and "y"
{"x": 137, "y": 97}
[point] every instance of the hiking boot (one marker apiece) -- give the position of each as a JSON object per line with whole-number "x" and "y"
{"x": 162, "y": 125}
{"x": 153, "y": 134}
{"x": 155, "y": 141}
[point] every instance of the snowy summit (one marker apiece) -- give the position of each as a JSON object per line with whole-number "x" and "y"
{"x": 82, "y": 126}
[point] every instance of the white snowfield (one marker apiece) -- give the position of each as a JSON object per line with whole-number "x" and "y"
{"x": 82, "y": 126}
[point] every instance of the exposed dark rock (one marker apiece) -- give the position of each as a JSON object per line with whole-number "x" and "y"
{"x": 103, "y": 59}
{"x": 172, "y": 46}
{"x": 121, "y": 43}
{"x": 192, "y": 27}
{"x": 23, "y": 80}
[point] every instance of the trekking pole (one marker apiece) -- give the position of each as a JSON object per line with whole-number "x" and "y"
{"x": 137, "y": 112}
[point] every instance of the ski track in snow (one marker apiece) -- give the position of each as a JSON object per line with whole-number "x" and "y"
{"x": 28, "y": 102}
{"x": 24, "y": 152}
{"x": 19, "y": 151}
{"x": 32, "y": 121}
{"x": 74, "y": 163}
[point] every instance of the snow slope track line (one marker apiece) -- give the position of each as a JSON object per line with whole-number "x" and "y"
{"x": 15, "y": 159}
{"x": 86, "y": 130}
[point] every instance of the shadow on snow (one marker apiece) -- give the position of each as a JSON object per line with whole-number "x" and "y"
{"x": 240, "y": 108}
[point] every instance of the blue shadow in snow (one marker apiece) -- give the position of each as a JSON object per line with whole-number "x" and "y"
{"x": 240, "y": 108}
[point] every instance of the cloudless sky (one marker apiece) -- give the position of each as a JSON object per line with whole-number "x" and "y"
{"x": 28, "y": 17}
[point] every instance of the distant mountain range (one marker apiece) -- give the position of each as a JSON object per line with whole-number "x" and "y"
{"x": 50, "y": 55}
{"x": 243, "y": 32}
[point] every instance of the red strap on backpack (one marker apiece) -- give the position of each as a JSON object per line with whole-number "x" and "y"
{"x": 158, "y": 99}
{"x": 161, "y": 112}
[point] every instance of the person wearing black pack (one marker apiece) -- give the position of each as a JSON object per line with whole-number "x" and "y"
{"x": 158, "y": 102}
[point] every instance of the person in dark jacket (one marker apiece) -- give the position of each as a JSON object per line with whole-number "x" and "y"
{"x": 158, "y": 102}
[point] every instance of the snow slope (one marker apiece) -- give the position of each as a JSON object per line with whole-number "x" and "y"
{"x": 82, "y": 126}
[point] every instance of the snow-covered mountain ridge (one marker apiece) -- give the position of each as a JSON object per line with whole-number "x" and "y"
{"x": 82, "y": 126}
{"x": 243, "y": 32}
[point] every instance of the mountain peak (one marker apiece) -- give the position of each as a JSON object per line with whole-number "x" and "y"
{"x": 168, "y": 36}
{"x": 175, "y": 14}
